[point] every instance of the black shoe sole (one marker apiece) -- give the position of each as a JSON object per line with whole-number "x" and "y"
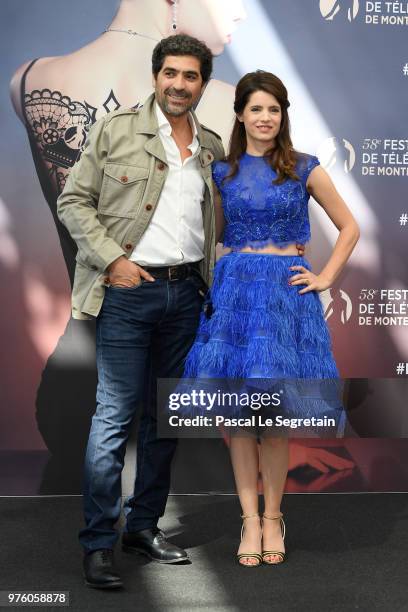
{"x": 111, "y": 585}
{"x": 141, "y": 551}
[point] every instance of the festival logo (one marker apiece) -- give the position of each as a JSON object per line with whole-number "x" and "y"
{"x": 337, "y": 305}
{"x": 330, "y": 8}
{"x": 374, "y": 12}
{"x": 337, "y": 152}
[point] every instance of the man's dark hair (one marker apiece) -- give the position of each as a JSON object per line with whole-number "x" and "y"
{"x": 182, "y": 44}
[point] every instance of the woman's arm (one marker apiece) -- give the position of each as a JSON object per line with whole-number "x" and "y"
{"x": 321, "y": 187}
{"x": 219, "y": 216}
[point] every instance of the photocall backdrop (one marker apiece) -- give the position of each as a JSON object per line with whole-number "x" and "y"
{"x": 346, "y": 68}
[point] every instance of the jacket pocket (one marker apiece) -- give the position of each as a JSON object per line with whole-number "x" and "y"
{"x": 122, "y": 190}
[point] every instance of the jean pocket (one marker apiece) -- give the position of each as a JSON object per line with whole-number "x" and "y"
{"x": 199, "y": 284}
{"x": 127, "y": 289}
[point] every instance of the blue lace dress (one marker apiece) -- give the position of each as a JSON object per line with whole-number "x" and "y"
{"x": 260, "y": 327}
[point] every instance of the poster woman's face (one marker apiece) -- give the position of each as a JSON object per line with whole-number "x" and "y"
{"x": 212, "y": 21}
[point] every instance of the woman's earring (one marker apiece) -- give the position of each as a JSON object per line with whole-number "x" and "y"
{"x": 174, "y": 15}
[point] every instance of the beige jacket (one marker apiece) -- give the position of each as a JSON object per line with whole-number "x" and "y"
{"x": 112, "y": 192}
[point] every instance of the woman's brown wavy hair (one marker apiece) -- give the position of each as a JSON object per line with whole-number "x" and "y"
{"x": 283, "y": 156}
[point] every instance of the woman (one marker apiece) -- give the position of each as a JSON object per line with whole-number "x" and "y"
{"x": 267, "y": 319}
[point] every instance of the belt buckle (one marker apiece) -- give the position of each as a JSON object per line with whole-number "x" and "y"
{"x": 173, "y": 269}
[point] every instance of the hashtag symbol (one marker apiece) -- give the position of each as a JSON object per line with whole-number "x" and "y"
{"x": 402, "y": 368}
{"x": 403, "y": 219}
{"x": 405, "y": 70}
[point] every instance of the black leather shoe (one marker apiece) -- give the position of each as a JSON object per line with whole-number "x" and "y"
{"x": 99, "y": 570}
{"x": 152, "y": 542}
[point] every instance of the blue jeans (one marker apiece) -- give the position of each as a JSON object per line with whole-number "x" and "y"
{"x": 142, "y": 333}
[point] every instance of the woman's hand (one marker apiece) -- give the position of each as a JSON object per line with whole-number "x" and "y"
{"x": 306, "y": 277}
{"x": 300, "y": 249}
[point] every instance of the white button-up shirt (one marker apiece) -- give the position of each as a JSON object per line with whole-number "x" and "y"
{"x": 175, "y": 233}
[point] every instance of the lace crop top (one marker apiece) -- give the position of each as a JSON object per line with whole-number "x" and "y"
{"x": 258, "y": 212}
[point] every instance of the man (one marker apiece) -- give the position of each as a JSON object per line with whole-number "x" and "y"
{"x": 57, "y": 99}
{"x": 139, "y": 205}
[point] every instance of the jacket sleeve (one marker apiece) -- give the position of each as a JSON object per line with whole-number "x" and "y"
{"x": 77, "y": 204}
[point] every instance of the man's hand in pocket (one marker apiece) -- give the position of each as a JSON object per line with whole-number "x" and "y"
{"x": 125, "y": 273}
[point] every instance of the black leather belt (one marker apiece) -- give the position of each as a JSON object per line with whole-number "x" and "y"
{"x": 179, "y": 272}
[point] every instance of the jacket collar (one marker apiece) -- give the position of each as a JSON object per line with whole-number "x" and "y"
{"x": 148, "y": 124}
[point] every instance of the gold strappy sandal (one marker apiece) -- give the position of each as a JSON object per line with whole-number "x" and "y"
{"x": 250, "y": 555}
{"x": 266, "y": 553}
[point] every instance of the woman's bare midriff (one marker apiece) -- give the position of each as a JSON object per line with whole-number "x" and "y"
{"x": 272, "y": 250}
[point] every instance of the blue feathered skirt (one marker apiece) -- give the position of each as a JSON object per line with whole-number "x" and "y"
{"x": 257, "y": 326}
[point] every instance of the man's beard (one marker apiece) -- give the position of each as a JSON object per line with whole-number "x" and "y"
{"x": 175, "y": 112}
